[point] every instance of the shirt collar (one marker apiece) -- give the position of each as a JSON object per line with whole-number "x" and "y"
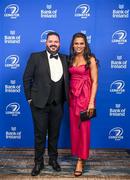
{"x": 48, "y": 54}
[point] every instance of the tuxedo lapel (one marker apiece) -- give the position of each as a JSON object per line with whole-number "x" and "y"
{"x": 63, "y": 63}
{"x": 46, "y": 63}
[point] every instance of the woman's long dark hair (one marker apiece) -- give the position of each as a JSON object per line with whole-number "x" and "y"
{"x": 87, "y": 52}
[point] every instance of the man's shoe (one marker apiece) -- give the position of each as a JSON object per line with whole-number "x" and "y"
{"x": 55, "y": 165}
{"x": 37, "y": 168}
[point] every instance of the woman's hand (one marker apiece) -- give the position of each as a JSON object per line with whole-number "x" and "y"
{"x": 91, "y": 108}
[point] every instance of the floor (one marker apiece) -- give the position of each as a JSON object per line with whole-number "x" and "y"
{"x": 111, "y": 164}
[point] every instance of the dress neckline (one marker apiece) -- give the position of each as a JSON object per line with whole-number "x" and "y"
{"x": 79, "y": 65}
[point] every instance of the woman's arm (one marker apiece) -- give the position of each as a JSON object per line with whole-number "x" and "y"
{"x": 94, "y": 77}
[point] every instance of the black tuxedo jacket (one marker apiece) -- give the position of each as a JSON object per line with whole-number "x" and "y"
{"x": 37, "y": 81}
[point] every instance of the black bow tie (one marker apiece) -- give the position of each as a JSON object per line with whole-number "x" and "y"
{"x": 53, "y": 56}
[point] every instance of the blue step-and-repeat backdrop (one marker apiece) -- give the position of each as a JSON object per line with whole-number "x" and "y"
{"x": 24, "y": 26}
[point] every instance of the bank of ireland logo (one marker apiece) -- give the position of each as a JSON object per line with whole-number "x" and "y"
{"x": 82, "y": 11}
{"x": 13, "y": 134}
{"x": 13, "y": 109}
{"x": 119, "y": 63}
{"x": 121, "y": 12}
{"x": 48, "y": 6}
{"x": 89, "y": 37}
{"x": 119, "y": 37}
{"x": 116, "y": 134}
{"x": 11, "y": 11}
{"x": 44, "y": 35}
{"x": 49, "y": 12}
{"x": 12, "y": 61}
{"x": 117, "y": 87}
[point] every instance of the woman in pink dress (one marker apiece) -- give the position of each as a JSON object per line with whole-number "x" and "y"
{"x": 83, "y": 87}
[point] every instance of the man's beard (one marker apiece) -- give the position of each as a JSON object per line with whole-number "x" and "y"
{"x": 52, "y": 52}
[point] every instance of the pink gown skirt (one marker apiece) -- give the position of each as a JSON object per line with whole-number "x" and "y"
{"x": 79, "y": 96}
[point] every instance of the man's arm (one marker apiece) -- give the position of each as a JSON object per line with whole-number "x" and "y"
{"x": 28, "y": 77}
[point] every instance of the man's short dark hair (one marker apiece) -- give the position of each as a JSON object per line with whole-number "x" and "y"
{"x": 53, "y": 33}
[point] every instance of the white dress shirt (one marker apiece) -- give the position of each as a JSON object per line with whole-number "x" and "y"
{"x": 56, "y": 68}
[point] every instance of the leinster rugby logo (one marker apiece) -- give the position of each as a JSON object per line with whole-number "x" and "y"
{"x": 44, "y": 35}
{"x": 117, "y": 87}
{"x": 119, "y": 37}
{"x": 82, "y": 11}
{"x": 11, "y": 11}
{"x": 12, "y": 61}
{"x": 116, "y": 133}
{"x": 13, "y": 109}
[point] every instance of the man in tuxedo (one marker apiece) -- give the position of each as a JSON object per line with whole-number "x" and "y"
{"x": 46, "y": 88}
